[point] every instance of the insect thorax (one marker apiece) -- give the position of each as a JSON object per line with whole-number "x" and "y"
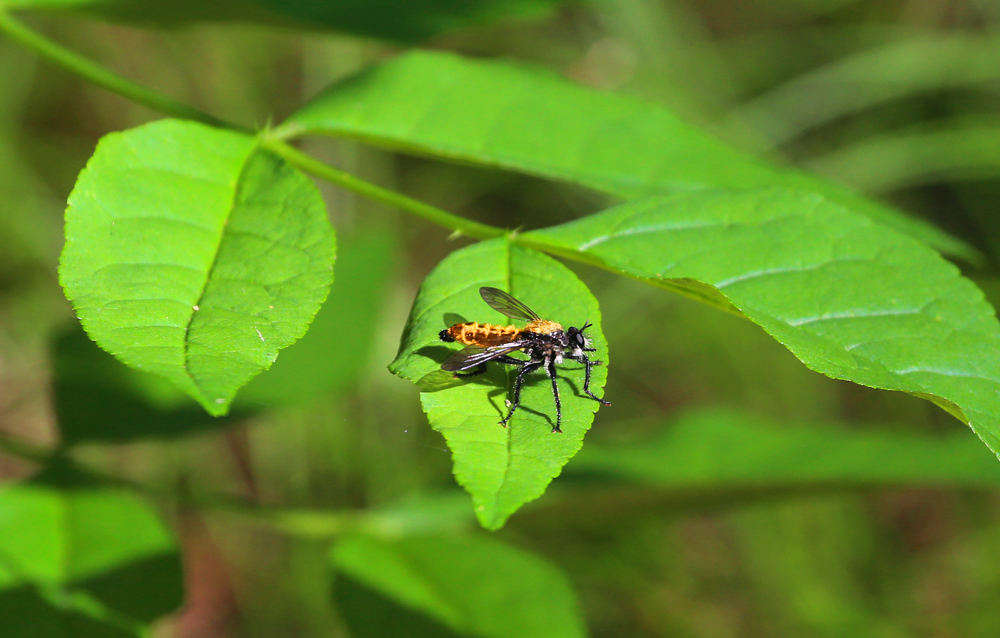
{"x": 543, "y": 327}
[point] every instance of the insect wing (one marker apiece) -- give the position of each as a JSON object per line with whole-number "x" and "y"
{"x": 472, "y": 356}
{"x": 506, "y": 305}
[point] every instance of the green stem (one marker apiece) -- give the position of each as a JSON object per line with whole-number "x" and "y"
{"x": 309, "y": 164}
{"x": 169, "y": 106}
{"x": 101, "y": 76}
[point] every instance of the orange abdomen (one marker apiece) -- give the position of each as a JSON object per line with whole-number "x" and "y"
{"x": 482, "y": 334}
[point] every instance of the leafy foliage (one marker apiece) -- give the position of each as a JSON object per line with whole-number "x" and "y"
{"x": 193, "y": 254}
{"x": 850, "y": 298}
{"x": 529, "y": 120}
{"x": 198, "y": 253}
{"x": 502, "y": 468}
{"x": 104, "y": 546}
{"x": 474, "y": 585}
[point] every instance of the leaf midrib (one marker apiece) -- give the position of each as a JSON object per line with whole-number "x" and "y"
{"x": 208, "y": 275}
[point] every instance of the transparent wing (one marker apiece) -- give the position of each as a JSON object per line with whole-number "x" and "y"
{"x": 507, "y": 305}
{"x": 472, "y": 356}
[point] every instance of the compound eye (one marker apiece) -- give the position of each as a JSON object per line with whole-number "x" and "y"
{"x": 580, "y": 340}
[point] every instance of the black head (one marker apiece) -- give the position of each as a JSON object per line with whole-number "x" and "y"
{"x": 576, "y": 337}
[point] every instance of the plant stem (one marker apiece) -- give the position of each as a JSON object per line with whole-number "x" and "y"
{"x": 169, "y": 106}
{"x": 336, "y": 176}
{"x": 101, "y": 76}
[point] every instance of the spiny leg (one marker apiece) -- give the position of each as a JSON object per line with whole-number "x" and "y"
{"x": 586, "y": 380}
{"x": 550, "y": 368}
{"x": 526, "y": 367}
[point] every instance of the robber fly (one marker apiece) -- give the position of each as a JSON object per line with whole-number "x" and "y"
{"x": 545, "y": 342}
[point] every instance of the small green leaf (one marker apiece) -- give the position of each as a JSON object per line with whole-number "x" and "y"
{"x": 104, "y": 543}
{"x": 850, "y": 298}
{"x": 474, "y": 585}
{"x": 502, "y": 468}
{"x": 192, "y": 253}
{"x": 400, "y": 20}
{"x": 530, "y": 120}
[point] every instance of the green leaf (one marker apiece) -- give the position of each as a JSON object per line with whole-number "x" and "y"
{"x": 850, "y": 298}
{"x": 102, "y": 543}
{"x": 474, "y": 585}
{"x": 729, "y": 450}
{"x": 530, "y": 120}
{"x": 194, "y": 254}
{"x": 400, "y": 20}
{"x": 502, "y": 468}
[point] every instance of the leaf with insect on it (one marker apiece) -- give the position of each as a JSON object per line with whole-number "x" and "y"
{"x": 502, "y": 468}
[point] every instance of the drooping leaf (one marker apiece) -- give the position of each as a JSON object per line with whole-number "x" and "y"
{"x": 530, "y": 120}
{"x": 851, "y": 299}
{"x": 725, "y": 449}
{"x": 192, "y": 253}
{"x": 400, "y": 20}
{"x": 99, "y": 542}
{"x": 473, "y": 585}
{"x": 502, "y": 468}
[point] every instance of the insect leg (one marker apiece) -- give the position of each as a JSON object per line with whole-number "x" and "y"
{"x": 586, "y": 380}
{"x": 550, "y": 368}
{"x": 526, "y": 367}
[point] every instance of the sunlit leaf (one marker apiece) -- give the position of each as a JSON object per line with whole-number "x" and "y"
{"x": 502, "y": 468}
{"x": 850, "y": 298}
{"x": 530, "y": 120}
{"x": 473, "y": 585}
{"x": 193, "y": 254}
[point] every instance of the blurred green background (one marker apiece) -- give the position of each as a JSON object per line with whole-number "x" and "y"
{"x": 897, "y": 98}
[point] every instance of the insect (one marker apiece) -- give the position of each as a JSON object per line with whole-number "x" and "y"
{"x": 546, "y": 343}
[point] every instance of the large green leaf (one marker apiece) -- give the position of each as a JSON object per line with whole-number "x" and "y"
{"x": 474, "y": 585}
{"x": 401, "y": 20}
{"x": 192, "y": 253}
{"x": 502, "y": 468}
{"x": 102, "y": 543}
{"x": 530, "y": 120}
{"x": 850, "y": 298}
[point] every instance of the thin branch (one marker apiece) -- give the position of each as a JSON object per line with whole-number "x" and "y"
{"x": 101, "y": 76}
{"x": 416, "y": 207}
